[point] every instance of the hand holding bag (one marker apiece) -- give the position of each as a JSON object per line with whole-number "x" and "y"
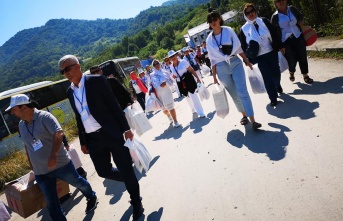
{"x": 203, "y": 92}
{"x": 139, "y": 154}
{"x": 220, "y": 101}
{"x": 256, "y": 80}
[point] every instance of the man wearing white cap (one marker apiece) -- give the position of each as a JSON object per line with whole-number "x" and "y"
{"x": 42, "y": 136}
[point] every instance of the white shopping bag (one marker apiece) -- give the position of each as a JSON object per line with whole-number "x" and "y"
{"x": 74, "y": 157}
{"x": 4, "y": 215}
{"x": 139, "y": 154}
{"x": 256, "y": 80}
{"x": 140, "y": 123}
{"x": 152, "y": 103}
{"x": 204, "y": 69}
{"x": 282, "y": 62}
{"x": 26, "y": 180}
{"x": 130, "y": 111}
{"x": 220, "y": 101}
{"x": 203, "y": 92}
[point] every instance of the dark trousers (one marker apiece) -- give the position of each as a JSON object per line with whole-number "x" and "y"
{"x": 101, "y": 146}
{"x": 296, "y": 52}
{"x": 141, "y": 99}
{"x": 270, "y": 70}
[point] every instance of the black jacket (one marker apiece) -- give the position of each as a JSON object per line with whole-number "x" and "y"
{"x": 103, "y": 106}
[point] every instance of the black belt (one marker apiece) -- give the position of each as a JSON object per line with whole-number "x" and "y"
{"x": 94, "y": 132}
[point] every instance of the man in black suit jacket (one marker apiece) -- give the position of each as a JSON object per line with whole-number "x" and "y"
{"x": 101, "y": 124}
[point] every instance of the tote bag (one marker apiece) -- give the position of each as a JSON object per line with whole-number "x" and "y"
{"x": 220, "y": 101}
{"x": 310, "y": 35}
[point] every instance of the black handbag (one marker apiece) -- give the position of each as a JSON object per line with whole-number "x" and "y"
{"x": 226, "y": 49}
{"x": 187, "y": 83}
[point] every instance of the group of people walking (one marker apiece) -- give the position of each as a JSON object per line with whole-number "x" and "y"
{"x": 98, "y": 101}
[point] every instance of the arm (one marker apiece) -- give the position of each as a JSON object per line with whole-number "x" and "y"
{"x": 246, "y": 60}
{"x": 56, "y": 146}
{"x": 276, "y": 41}
{"x": 242, "y": 39}
{"x": 214, "y": 74}
{"x": 28, "y": 157}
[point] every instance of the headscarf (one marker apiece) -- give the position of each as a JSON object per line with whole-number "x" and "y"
{"x": 139, "y": 82}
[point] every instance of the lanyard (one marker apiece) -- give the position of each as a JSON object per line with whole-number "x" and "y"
{"x": 33, "y": 126}
{"x": 221, "y": 35}
{"x": 177, "y": 68}
{"x": 81, "y": 102}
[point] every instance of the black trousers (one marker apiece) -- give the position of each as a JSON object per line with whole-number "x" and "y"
{"x": 270, "y": 70}
{"x": 141, "y": 99}
{"x": 101, "y": 146}
{"x": 296, "y": 52}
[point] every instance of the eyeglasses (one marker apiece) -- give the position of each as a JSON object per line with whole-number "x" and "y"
{"x": 249, "y": 12}
{"x": 279, "y": 0}
{"x": 156, "y": 64}
{"x": 67, "y": 69}
{"x": 212, "y": 20}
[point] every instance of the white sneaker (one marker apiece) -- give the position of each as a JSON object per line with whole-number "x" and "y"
{"x": 176, "y": 124}
{"x": 170, "y": 119}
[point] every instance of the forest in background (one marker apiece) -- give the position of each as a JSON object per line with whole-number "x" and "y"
{"x": 32, "y": 54}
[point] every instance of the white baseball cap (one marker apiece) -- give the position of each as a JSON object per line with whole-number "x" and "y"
{"x": 18, "y": 99}
{"x": 171, "y": 53}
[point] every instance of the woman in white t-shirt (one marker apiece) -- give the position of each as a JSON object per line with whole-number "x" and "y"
{"x": 179, "y": 68}
{"x": 223, "y": 47}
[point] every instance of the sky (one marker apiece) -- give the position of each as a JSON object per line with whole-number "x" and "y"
{"x": 17, "y": 15}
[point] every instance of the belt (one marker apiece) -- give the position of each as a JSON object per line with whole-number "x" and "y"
{"x": 94, "y": 132}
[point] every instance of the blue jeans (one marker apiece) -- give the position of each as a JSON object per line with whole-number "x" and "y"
{"x": 47, "y": 184}
{"x": 232, "y": 76}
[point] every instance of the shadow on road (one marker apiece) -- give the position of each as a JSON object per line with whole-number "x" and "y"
{"x": 272, "y": 143}
{"x": 292, "y": 107}
{"x": 334, "y": 86}
{"x": 171, "y": 132}
{"x": 198, "y": 123}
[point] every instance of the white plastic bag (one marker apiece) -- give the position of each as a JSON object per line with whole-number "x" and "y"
{"x": 203, "y": 92}
{"x": 204, "y": 69}
{"x": 4, "y": 215}
{"x": 256, "y": 80}
{"x": 137, "y": 119}
{"x": 74, "y": 157}
{"x": 152, "y": 103}
{"x": 140, "y": 123}
{"x": 139, "y": 154}
{"x": 282, "y": 62}
{"x": 26, "y": 180}
{"x": 220, "y": 101}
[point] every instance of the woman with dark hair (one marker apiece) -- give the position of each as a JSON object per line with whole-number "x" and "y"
{"x": 163, "y": 93}
{"x": 288, "y": 21}
{"x": 259, "y": 31}
{"x": 223, "y": 47}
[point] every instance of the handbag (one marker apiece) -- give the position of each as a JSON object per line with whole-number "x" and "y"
{"x": 139, "y": 154}
{"x": 226, "y": 49}
{"x": 187, "y": 83}
{"x": 74, "y": 157}
{"x": 282, "y": 62}
{"x": 309, "y": 34}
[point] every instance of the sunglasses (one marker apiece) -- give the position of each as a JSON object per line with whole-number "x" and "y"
{"x": 212, "y": 20}
{"x": 67, "y": 69}
{"x": 156, "y": 64}
{"x": 279, "y": 0}
{"x": 249, "y": 12}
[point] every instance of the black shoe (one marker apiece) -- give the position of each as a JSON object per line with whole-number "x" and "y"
{"x": 273, "y": 103}
{"x": 137, "y": 211}
{"x": 279, "y": 89}
{"x": 91, "y": 204}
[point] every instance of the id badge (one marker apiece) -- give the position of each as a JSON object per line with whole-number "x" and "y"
{"x": 37, "y": 144}
{"x": 84, "y": 114}
{"x": 178, "y": 79}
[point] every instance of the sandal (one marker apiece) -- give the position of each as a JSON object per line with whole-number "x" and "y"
{"x": 244, "y": 121}
{"x": 291, "y": 77}
{"x": 308, "y": 80}
{"x": 256, "y": 125}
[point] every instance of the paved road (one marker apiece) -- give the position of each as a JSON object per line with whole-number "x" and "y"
{"x": 215, "y": 169}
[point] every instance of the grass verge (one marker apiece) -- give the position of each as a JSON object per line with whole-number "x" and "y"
{"x": 326, "y": 54}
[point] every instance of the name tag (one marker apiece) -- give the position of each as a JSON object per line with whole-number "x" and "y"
{"x": 178, "y": 79}
{"x": 37, "y": 144}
